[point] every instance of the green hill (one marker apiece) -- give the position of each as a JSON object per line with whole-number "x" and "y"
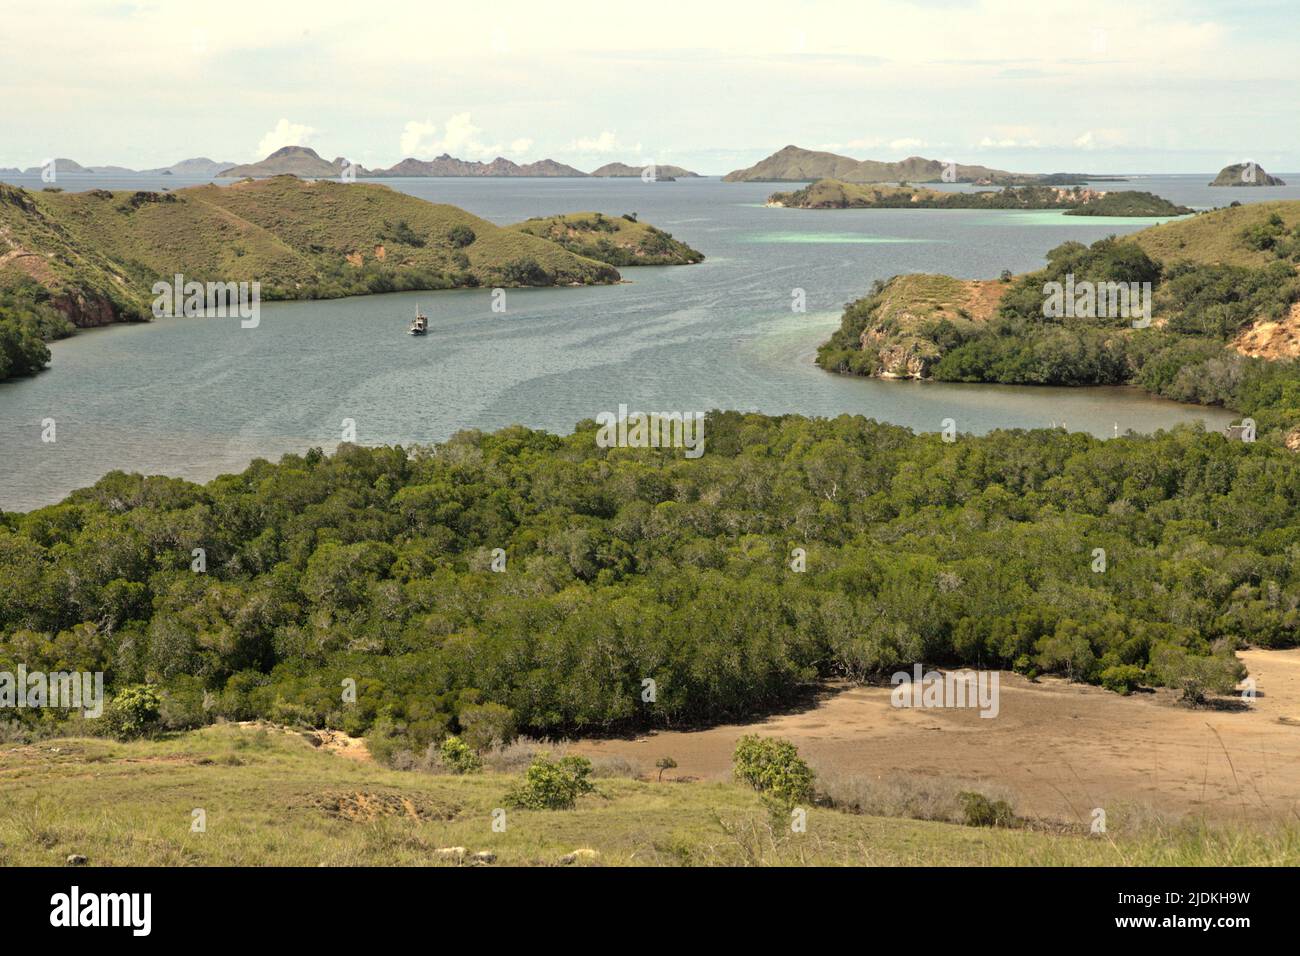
{"x": 618, "y": 241}
{"x": 98, "y": 253}
{"x": 1237, "y": 235}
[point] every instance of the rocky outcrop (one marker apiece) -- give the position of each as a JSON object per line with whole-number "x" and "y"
{"x": 899, "y": 356}
{"x": 1245, "y": 174}
{"x": 86, "y": 312}
{"x": 1270, "y": 339}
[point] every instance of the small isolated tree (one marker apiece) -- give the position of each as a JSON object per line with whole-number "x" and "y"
{"x": 979, "y": 811}
{"x": 552, "y": 784}
{"x": 1196, "y": 675}
{"x": 458, "y": 757}
{"x": 460, "y": 236}
{"x": 665, "y": 763}
{"x": 1122, "y": 678}
{"x": 134, "y": 711}
{"x": 773, "y": 767}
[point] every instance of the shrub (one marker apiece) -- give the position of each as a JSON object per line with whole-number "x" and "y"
{"x": 386, "y": 741}
{"x": 486, "y": 726}
{"x": 552, "y": 784}
{"x": 1197, "y": 676}
{"x": 182, "y": 705}
{"x": 773, "y": 767}
{"x": 458, "y": 757}
{"x": 133, "y": 712}
{"x": 665, "y": 763}
{"x": 1122, "y": 678}
{"x": 402, "y": 232}
{"x": 980, "y": 811}
{"x": 460, "y": 236}
{"x": 524, "y": 271}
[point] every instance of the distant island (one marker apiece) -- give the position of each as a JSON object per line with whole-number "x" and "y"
{"x": 624, "y": 171}
{"x": 289, "y": 161}
{"x": 305, "y": 163}
{"x": 794, "y": 164}
{"x": 60, "y": 165}
{"x": 1245, "y": 174}
{"x": 73, "y": 260}
{"x": 199, "y": 168}
{"x": 446, "y": 165}
{"x": 834, "y": 194}
{"x": 618, "y": 241}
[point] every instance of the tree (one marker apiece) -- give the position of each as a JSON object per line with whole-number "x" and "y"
{"x": 1196, "y": 675}
{"x": 665, "y": 763}
{"x": 773, "y": 767}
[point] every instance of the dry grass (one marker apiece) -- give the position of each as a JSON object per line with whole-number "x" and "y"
{"x": 271, "y": 798}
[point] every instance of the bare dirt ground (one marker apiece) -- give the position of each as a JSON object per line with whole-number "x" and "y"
{"x": 331, "y": 741}
{"x": 1272, "y": 340}
{"x": 1059, "y": 748}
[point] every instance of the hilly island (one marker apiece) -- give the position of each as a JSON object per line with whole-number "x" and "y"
{"x": 88, "y": 259}
{"x": 306, "y": 162}
{"x": 795, "y": 164}
{"x": 1221, "y": 326}
{"x": 834, "y": 194}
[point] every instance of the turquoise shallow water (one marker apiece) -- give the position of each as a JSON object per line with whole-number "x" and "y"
{"x": 198, "y": 397}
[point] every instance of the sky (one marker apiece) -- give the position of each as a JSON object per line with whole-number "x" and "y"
{"x": 1162, "y": 86}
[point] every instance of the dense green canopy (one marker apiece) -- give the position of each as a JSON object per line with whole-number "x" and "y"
{"x": 627, "y": 564}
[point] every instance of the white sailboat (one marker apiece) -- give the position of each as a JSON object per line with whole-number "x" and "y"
{"x": 419, "y": 324}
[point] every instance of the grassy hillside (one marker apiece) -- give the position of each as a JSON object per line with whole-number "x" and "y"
{"x": 619, "y": 241}
{"x": 895, "y": 331}
{"x": 834, "y": 194}
{"x": 99, "y": 252}
{"x": 270, "y": 798}
{"x": 1236, "y": 235}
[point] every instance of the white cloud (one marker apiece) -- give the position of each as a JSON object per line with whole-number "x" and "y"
{"x": 606, "y": 142}
{"x": 418, "y": 138}
{"x": 869, "y": 143}
{"x": 1099, "y": 139}
{"x": 460, "y": 138}
{"x": 1008, "y": 142}
{"x": 284, "y": 134}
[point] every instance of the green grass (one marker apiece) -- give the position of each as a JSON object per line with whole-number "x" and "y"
{"x": 1216, "y": 237}
{"x": 270, "y": 798}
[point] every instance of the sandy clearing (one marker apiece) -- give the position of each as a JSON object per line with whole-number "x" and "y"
{"x": 1060, "y": 748}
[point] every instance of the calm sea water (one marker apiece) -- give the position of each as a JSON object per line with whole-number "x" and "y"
{"x": 199, "y": 397}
